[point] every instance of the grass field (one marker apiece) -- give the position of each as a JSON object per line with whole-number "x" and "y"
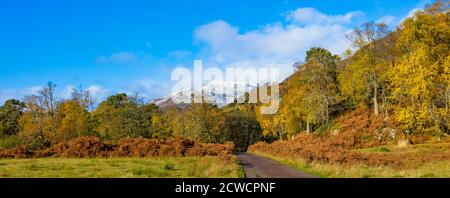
{"x": 438, "y": 169}
{"x": 181, "y": 167}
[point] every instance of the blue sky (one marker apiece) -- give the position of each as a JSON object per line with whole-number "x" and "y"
{"x": 132, "y": 46}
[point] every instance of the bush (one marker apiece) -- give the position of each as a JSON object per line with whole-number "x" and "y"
{"x": 86, "y": 147}
{"x": 36, "y": 143}
{"x": 9, "y": 142}
{"x": 16, "y": 152}
{"x": 137, "y": 147}
{"x": 89, "y": 147}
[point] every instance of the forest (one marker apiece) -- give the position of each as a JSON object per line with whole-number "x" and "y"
{"x": 41, "y": 120}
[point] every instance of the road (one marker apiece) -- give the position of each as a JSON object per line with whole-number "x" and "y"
{"x": 256, "y": 166}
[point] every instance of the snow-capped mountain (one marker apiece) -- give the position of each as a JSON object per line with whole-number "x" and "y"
{"x": 215, "y": 92}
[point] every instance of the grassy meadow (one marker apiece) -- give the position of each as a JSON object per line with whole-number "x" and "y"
{"x": 167, "y": 167}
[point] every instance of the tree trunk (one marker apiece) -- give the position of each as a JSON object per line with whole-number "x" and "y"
{"x": 383, "y": 97}
{"x": 375, "y": 99}
{"x": 307, "y": 127}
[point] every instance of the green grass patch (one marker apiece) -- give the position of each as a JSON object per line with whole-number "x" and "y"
{"x": 167, "y": 167}
{"x": 381, "y": 149}
{"x": 419, "y": 148}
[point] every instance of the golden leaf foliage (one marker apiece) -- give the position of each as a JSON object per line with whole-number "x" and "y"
{"x": 420, "y": 76}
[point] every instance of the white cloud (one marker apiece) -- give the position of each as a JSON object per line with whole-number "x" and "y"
{"x": 271, "y": 42}
{"x": 6, "y": 95}
{"x": 18, "y": 94}
{"x": 67, "y": 92}
{"x": 146, "y": 87}
{"x": 412, "y": 13}
{"x": 98, "y": 92}
{"x": 279, "y": 43}
{"x": 32, "y": 90}
{"x": 117, "y": 58}
{"x": 389, "y": 20}
{"x": 310, "y": 15}
{"x": 393, "y": 21}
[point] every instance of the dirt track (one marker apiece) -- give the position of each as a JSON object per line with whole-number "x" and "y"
{"x": 256, "y": 166}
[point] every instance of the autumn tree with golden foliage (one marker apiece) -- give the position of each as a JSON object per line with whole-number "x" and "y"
{"x": 73, "y": 120}
{"x": 363, "y": 78}
{"x": 420, "y": 78}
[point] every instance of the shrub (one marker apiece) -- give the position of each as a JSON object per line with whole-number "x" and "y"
{"x": 36, "y": 143}
{"x": 9, "y": 142}
{"x": 20, "y": 151}
{"x": 89, "y": 147}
